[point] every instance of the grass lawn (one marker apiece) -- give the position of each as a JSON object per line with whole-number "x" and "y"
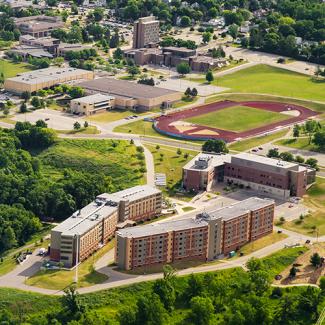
{"x": 238, "y": 118}
{"x": 262, "y": 242}
{"x": 247, "y": 144}
{"x": 187, "y": 209}
{"x": 297, "y": 143}
{"x": 271, "y": 80}
{"x": 60, "y": 279}
{"x": 145, "y": 128}
{"x": 315, "y": 222}
{"x": 88, "y": 130}
{"x": 185, "y": 101}
{"x": 117, "y": 160}
{"x": 171, "y": 163}
{"x": 111, "y": 116}
{"x": 10, "y": 69}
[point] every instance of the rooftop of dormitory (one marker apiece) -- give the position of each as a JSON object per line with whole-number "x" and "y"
{"x": 84, "y": 219}
{"x": 237, "y": 209}
{"x": 131, "y": 194}
{"x": 161, "y": 228}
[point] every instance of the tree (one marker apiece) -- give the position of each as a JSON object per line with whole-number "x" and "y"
{"x": 312, "y": 162}
{"x": 23, "y": 108}
{"x": 209, "y": 76}
{"x": 311, "y": 127}
{"x": 183, "y": 68}
{"x": 2, "y": 79}
{"x": 217, "y": 146}
{"x": 287, "y": 156}
{"x": 293, "y": 272}
{"x": 118, "y": 54}
{"x": 194, "y": 92}
{"x": 233, "y": 31}
{"x": 41, "y": 124}
{"x": 76, "y": 92}
{"x": 6, "y": 111}
{"x": 206, "y": 37}
{"x": 127, "y": 316}
{"x": 185, "y": 21}
{"x": 315, "y": 260}
{"x": 76, "y": 125}
{"x": 36, "y": 102}
{"x": 299, "y": 159}
{"x": 71, "y": 302}
{"x": 273, "y": 153}
{"x": 86, "y": 124}
{"x": 319, "y": 139}
{"x": 194, "y": 286}
{"x": 25, "y": 95}
{"x": 254, "y": 264}
{"x": 150, "y": 310}
{"x": 188, "y": 92}
{"x": 133, "y": 70}
{"x": 179, "y": 151}
{"x": 202, "y": 310}
{"x": 296, "y": 130}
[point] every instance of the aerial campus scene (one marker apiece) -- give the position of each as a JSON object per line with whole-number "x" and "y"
{"x": 162, "y": 162}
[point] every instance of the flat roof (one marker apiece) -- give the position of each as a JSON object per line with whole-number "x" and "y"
{"x": 178, "y": 49}
{"x": 124, "y": 88}
{"x": 265, "y": 160}
{"x": 91, "y": 99}
{"x": 161, "y": 227}
{"x": 131, "y": 194}
{"x": 214, "y": 160}
{"x": 239, "y": 208}
{"x": 47, "y": 74}
{"x": 86, "y": 218}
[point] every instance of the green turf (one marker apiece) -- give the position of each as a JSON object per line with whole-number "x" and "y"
{"x": 10, "y": 69}
{"x": 238, "y": 118}
{"x": 271, "y": 80}
{"x": 299, "y": 143}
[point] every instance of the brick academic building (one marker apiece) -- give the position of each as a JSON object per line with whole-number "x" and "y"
{"x": 206, "y": 236}
{"x": 269, "y": 176}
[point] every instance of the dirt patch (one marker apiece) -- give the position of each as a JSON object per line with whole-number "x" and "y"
{"x": 306, "y": 273}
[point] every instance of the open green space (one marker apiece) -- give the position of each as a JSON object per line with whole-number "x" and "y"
{"x": 112, "y": 115}
{"x": 238, "y": 118}
{"x": 88, "y": 130}
{"x": 297, "y": 143}
{"x": 230, "y": 288}
{"x": 265, "y": 79}
{"x": 247, "y": 144}
{"x": 169, "y": 162}
{"x": 118, "y": 160}
{"x": 145, "y": 128}
{"x": 10, "y": 69}
{"x": 262, "y": 242}
{"x": 60, "y": 279}
{"x": 312, "y": 224}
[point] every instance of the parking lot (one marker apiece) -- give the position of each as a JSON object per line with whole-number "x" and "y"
{"x": 54, "y": 119}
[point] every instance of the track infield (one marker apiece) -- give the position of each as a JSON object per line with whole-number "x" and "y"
{"x": 229, "y": 120}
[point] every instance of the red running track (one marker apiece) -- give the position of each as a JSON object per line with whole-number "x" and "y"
{"x": 163, "y": 123}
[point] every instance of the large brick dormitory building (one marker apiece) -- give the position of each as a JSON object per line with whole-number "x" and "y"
{"x": 204, "y": 237}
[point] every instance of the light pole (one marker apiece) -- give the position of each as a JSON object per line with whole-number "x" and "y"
{"x": 76, "y": 236}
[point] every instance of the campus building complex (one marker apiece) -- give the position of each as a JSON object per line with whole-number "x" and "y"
{"x": 266, "y": 175}
{"x": 45, "y": 78}
{"x": 205, "y": 237}
{"x": 89, "y": 228}
{"x": 38, "y": 26}
{"x": 171, "y": 56}
{"x": 145, "y": 32}
{"x": 129, "y": 95}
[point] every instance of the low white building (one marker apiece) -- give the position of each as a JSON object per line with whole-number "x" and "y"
{"x": 91, "y": 104}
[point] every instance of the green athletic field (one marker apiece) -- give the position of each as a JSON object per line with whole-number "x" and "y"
{"x": 238, "y": 118}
